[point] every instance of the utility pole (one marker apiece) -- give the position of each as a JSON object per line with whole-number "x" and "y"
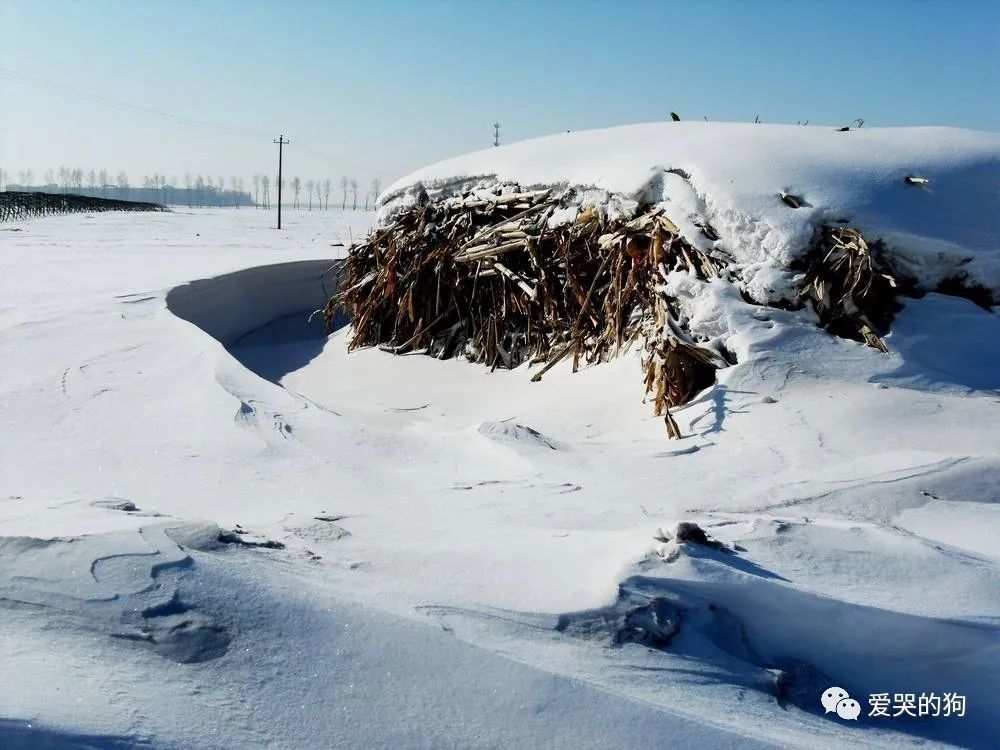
{"x": 281, "y": 142}
{"x": 496, "y": 134}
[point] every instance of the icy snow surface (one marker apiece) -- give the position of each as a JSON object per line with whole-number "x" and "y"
{"x": 281, "y": 544}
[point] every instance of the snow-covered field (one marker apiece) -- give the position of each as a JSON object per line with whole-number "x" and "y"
{"x": 466, "y": 558}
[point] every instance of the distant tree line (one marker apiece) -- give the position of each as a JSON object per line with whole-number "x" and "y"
{"x": 318, "y": 189}
{"x": 155, "y": 188}
{"x": 194, "y": 190}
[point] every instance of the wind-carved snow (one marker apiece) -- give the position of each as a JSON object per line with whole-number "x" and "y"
{"x": 133, "y": 595}
{"x": 265, "y": 315}
{"x": 380, "y": 550}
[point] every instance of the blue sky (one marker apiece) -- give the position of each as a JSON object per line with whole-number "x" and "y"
{"x": 378, "y": 88}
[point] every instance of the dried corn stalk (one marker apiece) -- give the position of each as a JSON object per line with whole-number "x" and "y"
{"x": 853, "y": 294}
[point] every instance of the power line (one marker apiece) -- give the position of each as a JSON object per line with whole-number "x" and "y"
{"x": 88, "y": 96}
{"x": 58, "y": 88}
{"x": 53, "y": 87}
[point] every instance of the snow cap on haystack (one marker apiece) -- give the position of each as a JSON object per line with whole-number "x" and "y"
{"x": 732, "y": 175}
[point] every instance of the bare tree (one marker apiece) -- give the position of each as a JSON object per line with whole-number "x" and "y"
{"x": 25, "y": 177}
{"x": 354, "y": 192}
{"x": 65, "y": 178}
{"x": 92, "y": 180}
{"x": 345, "y": 184}
{"x": 222, "y": 189}
{"x": 265, "y": 183}
{"x": 326, "y": 194}
{"x": 199, "y": 187}
{"x": 77, "y": 176}
{"x": 153, "y": 184}
{"x": 256, "y": 191}
{"x": 103, "y": 177}
{"x": 187, "y": 187}
{"x": 376, "y": 189}
{"x": 234, "y": 185}
{"x": 310, "y": 185}
{"x": 296, "y": 189}
{"x": 122, "y": 184}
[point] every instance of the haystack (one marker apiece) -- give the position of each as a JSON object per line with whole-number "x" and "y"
{"x": 584, "y": 245}
{"x": 509, "y": 276}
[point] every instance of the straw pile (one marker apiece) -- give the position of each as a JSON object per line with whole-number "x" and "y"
{"x": 509, "y": 275}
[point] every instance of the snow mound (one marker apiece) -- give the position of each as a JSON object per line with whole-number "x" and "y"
{"x": 730, "y": 177}
{"x": 516, "y": 434}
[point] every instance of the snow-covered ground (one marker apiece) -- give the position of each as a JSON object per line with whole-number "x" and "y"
{"x": 466, "y": 558}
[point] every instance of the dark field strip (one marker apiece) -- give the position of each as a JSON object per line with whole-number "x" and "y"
{"x": 16, "y": 206}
